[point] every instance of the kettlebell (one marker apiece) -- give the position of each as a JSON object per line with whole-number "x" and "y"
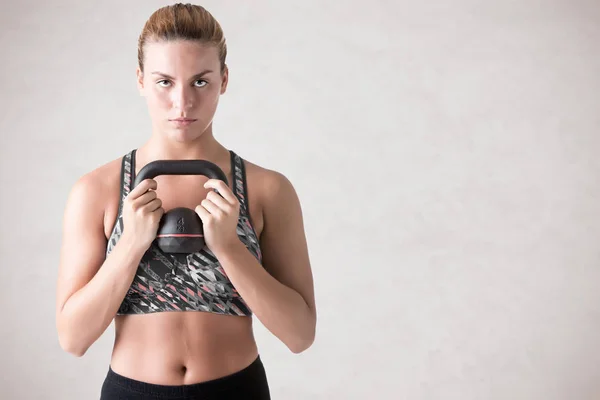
{"x": 180, "y": 230}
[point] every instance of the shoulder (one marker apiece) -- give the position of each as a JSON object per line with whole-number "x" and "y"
{"x": 100, "y": 179}
{"x": 94, "y": 192}
{"x": 270, "y": 186}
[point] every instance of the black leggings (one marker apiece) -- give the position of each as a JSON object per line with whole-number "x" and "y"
{"x": 248, "y": 384}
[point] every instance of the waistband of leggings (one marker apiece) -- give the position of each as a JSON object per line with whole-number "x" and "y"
{"x": 250, "y": 373}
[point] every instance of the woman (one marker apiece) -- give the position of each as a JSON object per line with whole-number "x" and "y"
{"x": 183, "y": 327}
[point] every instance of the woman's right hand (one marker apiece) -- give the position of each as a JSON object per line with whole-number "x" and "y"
{"x": 142, "y": 212}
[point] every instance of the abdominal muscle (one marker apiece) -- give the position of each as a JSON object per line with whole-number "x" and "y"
{"x": 180, "y": 348}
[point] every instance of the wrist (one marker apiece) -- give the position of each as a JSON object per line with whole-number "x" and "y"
{"x": 132, "y": 246}
{"x": 232, "y": 247}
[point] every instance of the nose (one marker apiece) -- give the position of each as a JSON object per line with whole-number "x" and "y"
{"x": 182, "y": 98}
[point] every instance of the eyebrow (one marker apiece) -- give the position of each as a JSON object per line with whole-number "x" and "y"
{"x": 200, "y": 75}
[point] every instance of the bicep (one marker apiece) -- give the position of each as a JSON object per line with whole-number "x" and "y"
{"x": 283, "y": 240}
{"x": 83, "y": 241}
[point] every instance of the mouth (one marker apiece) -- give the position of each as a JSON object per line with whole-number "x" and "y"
{"x": 180, "y": 122}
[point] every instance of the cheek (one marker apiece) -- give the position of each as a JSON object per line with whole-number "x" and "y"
{"x": 158, "y": 99}
{"x": 204, "y": 102}
{"x": 210, "y": 98}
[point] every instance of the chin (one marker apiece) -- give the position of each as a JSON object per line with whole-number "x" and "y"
{"x": 183, "y": 135}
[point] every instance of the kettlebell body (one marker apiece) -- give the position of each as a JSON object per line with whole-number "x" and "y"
{"x": 180, "y": 230}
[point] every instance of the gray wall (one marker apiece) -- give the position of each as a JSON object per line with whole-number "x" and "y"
{"x": 446, "y": 158}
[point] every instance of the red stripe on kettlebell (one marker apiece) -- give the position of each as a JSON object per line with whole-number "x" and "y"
{"x": 180, "y": 235}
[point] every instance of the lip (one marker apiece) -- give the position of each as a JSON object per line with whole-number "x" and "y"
{"x": 182, "y": 121}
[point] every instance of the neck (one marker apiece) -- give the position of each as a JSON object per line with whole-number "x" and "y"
{"x": 161, "y": 147}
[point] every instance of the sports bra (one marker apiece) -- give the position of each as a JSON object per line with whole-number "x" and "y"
{"x": 185, "y": 282}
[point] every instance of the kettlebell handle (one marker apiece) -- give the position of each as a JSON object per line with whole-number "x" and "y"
{"x": 180, "y": 167}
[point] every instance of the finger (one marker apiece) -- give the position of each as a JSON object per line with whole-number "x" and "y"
{"x": 202, "y": 213}
{"x": 153, "y": 205}
{"x": 144, "y": 199}
{"x": 211, "y": 207}
{"x": 143, "y": 187}
{"x": 223, "y": 189}
{"x": 219, "y": 201}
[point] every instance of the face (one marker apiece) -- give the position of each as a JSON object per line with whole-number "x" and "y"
{"x": 182, "y": 82}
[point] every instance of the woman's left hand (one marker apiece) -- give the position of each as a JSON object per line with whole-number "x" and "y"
{"x": 219, "y": 213}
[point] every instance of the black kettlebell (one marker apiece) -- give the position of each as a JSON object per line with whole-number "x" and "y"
{"x": 180, "y": 230}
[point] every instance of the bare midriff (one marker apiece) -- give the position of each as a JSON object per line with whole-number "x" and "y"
{"x": 180, "y": 348}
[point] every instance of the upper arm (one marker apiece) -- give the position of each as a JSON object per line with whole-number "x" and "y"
{"x": 283, "y": 239}
{"x": 83, "y": 243}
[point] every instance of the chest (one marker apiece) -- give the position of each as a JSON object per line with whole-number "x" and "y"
{"x": 182, "y": 191}
{"x": 187, "y": 191}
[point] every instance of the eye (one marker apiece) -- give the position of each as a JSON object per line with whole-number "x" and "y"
{"x": 163, "y": 81}
{"x": 202, "y": 83}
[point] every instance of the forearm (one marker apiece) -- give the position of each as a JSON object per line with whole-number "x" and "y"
{"x": 90, "y": 310}
{"x": 282, "y": 310}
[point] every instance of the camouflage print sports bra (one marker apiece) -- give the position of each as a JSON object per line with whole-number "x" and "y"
{"x": 192, "y": 282}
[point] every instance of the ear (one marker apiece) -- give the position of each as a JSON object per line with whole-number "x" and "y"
{"x": 224, "y": 79}
{"x": 140, "y": 80}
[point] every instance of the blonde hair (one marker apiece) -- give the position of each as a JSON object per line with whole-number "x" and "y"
{"x": 183, "y": 22}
